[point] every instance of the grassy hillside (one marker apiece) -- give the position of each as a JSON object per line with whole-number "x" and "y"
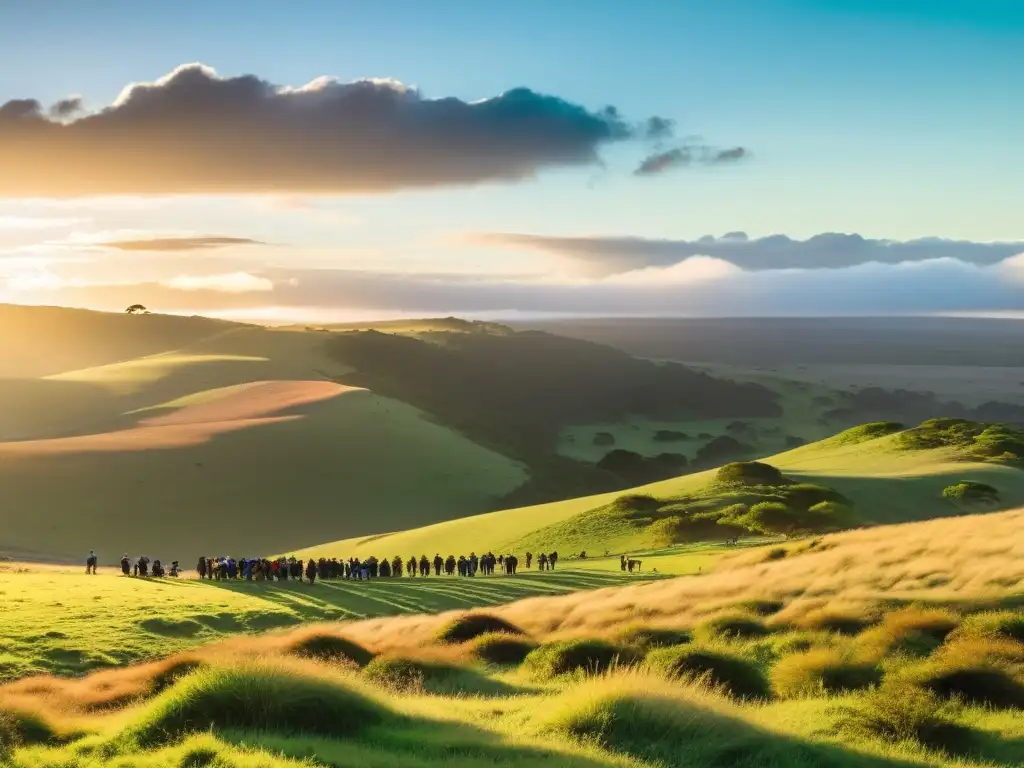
{"x": 218, "y": 438}
{"x": 884, "y": 480}
{"x": 886, "y": 648}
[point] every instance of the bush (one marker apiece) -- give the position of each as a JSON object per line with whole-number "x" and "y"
{"x": 866, "y": 432}
{"x": 471, "y": 625}
{"x": 822, "y": 670}
{"x": 335, "y": 649}
{"x": 669, "y": 436}
{"x": 750, "y": 473}
{"x": 502, "y": 648}
{"x": 734, "y": 675}
{"x": 971, "y": 493}
{"x": 603, "y": 438}
{"x": 731, "y": 627}
{"x": 900, "y": 712}
{"x": 252, "y": 698}
{"x": 645, "y": 637}
{"x": 588, "y": 655}
{"x": 771, "y": 517}
{"x": 807, "y": 495}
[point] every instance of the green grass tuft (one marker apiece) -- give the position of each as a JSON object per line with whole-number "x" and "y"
{"x": 730, "y": 627}
{"x": 582, "y": 655}
{"x": 735, "y": 675}
{"x": 975, "y": 683}
{"x": 1005, "y": 625}
{"x": 255, "y": 698}
{"x": 645, "y": 637}
{"x": 473, "y": 625}
{"x": 502, "y": 649}
{"x": 402, "y": 674}
{"x": 335, "y": 649}
{"x": 822, "y": 670}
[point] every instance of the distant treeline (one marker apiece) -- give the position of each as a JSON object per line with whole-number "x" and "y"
{"x": 515, "y": 392}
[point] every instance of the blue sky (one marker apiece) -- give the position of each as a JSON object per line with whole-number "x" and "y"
{"x": 896, "y": 119}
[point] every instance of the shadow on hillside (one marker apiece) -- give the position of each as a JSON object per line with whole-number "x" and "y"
{"x": 344, "y": 599}
{"x": 709, "y": 741}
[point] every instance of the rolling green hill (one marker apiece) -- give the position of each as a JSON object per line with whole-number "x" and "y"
{"x": 884, "y": 479}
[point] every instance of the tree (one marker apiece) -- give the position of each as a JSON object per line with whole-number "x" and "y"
{"x": 137, "y": 309}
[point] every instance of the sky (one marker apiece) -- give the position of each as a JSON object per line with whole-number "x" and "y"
{"x": 310, "y": 161}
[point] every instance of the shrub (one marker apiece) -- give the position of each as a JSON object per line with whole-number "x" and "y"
{"x": 645, "y": 637}
{"x": 750, "y": 473}
{"x": 807, "y": 495}
{"x": 971, "y": 493}
{"x": 669, "y": 436}
{"x": 840, "y": 622}
{"x": 253, "y": 698}
{"x": 471, "y": 625}
{"x": 900, "y": 712}
{"x": 822, "y": 670}
{"x": 734, "y": 675}
{"x": 335, "y": 649}
{"x": 588, "y": 655}
{"x": 502, "y": 648}
{"x": 603, "y": 438}
{"x": 866, "y": 432}
{"x": 771, "y": 517}
{"x": 731, "y": 627}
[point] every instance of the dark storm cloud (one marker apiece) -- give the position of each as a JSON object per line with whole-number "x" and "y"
{"x": 615, "y": 255}
{"x": 195, "y": 132}
{"x": 678, "y": 157}
{"x": 178, "y": 243}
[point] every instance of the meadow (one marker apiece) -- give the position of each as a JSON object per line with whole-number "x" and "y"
{"x": 889, "y": 647}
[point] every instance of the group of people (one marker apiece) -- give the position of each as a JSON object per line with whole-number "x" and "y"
{"x": 142, "y": 566}
{"x": 298, "y": 569}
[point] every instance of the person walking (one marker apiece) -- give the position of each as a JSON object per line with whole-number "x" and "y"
{"x": 90, "y": 562}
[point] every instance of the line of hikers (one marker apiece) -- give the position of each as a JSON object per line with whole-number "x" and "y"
{"x": 142, "y": 566}
{"x": 285, "y": 568}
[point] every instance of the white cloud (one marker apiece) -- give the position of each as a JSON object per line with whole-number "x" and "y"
{"x": 233, "y": 282}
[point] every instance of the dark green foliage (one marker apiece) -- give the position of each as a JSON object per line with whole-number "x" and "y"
{"x": 645, "y": 637}
{"x": 587, "y": 655}
{"x": 502, "y": 648}
{"x": 638, "y": 470}
{"x": 255, "y": 699}
{"x": 669, "y": 436}
{"x": 750, "y": 473}
{"x": 735, "y": 675}
{"x": 472, "y": 625}
{"x": 968, "y": 492}
{"x": 978, "y": 440}
{"x": 515, "y": 392}
{"x": 731, "y": 627}
{"x": 866, "y": 432}
{"x": 899, "y": 712}
{"x": 332, "y": 648}
{"x": 603, "y": 438}
{"x": 719, "y": 449}
{"x": 792, "y": 441}
{"x": 979, "y": 684}
{"x": 637, "y": 502}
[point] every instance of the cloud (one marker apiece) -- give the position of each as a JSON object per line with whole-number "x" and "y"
{"x": 234, "y": 282}
{"x": 687, "y": 154}
{"x": 178, "y": 243}
{"x": 194, "y": 132}
{"x": 616, "y": 255}
{"x": 67, "y": 108}
{"x": 38, "y": 222}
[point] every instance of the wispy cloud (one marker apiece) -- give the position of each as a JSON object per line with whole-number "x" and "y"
{"x": 234, "y": 282}
{"x": 178, "y": 243}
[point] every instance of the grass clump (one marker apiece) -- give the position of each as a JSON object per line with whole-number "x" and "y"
{"x": 838, "y": 621}
{"x": 582, "y": 655}
{"x": 750, "y": 473}
{"x": 255, "y": 698}
{"x": 402, "y": 674}
{"x": 730, "y": 627}
{"x": 20, "y": 728}
{"x": 502, "y": 649}
{"x": 472, "y": 625}
{"x": 734, "y": 675}
{"x": 865, "y": 432}
{"x": 974, "y": 682}
{"x": 912, "y": 631}
{"x": 822, "y": 670}
{"x": 646, "y": 637}
{"x": 900, "y": 712}
{"x": 334, "y": 649}
{"x": 761, "y": 607}
{"x": 1003, "y": 625}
